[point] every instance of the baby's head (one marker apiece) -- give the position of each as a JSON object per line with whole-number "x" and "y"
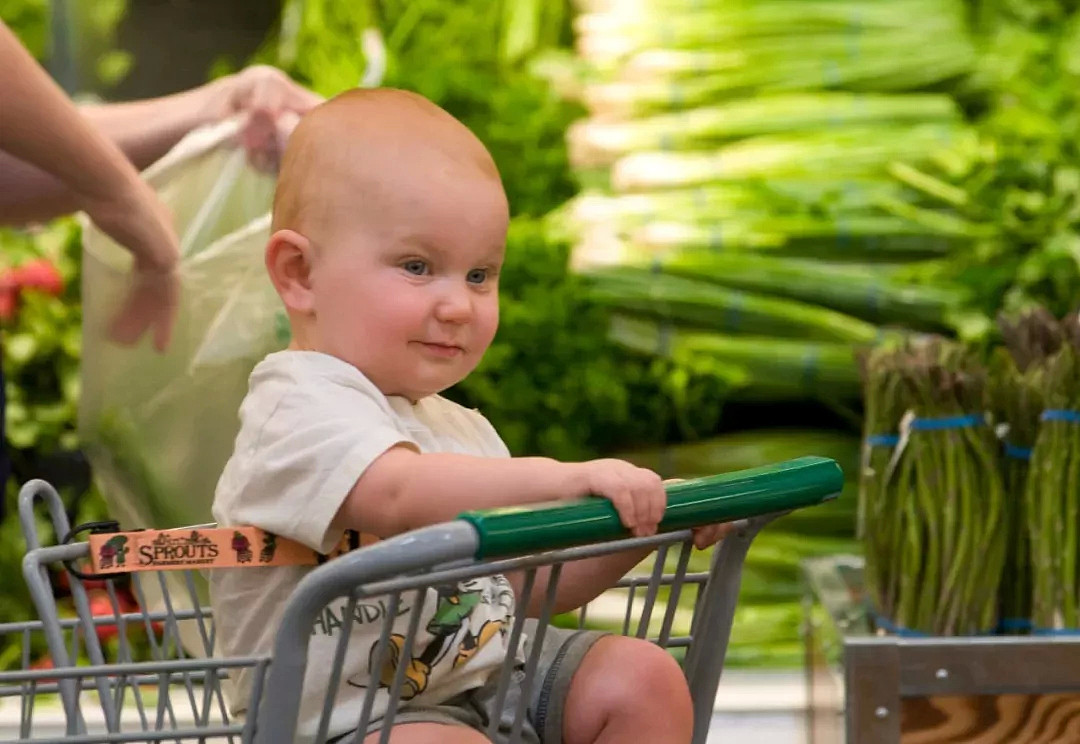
{"x": 388, "y": 234}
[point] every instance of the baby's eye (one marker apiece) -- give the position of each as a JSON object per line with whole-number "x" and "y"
{"x": 477, "y": 276}
{"x": 415, "y": 266}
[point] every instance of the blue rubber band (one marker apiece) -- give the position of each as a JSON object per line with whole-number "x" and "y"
{"x": 1061, "y": 414}
{"x": 853, "y": 33}
{"x": 1014, "y": 623}
{"x": 898, "y": 630}
{"x": 874, "y": 296}
{"x": 1017, "y": 453}
{"x": 887, "y": 625}
{"x": 831, "y": 73}
{"x": 843, "y": 236}
{"x": 663, "y": 339}
{"x": 947, "y": 422}
{"x": 716, "y": 236}
{"x": 675, "y": 96}
{"x": 733, "y": 315}
{"x": 883, "y": 440}
{"x": 1056, "y": 631}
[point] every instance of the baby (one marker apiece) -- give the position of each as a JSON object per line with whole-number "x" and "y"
{"x": 388, "y": 235}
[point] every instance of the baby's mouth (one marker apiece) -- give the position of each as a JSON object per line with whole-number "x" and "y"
{"x": 441, "y": 349}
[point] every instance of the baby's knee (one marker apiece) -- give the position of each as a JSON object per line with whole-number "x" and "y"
{"x": 429, "y": 733}
{"x": 640, "y": 678}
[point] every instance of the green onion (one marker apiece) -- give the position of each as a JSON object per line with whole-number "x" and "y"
{"x": 600, "y": 141}
{"x": 758, "y": 367}
{"x": 708, "y": 306}
{"x": 865, "y": 291}
{"x": 844, "y": 152}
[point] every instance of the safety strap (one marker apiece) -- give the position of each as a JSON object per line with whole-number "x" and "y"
{"x": 206, "y": 547}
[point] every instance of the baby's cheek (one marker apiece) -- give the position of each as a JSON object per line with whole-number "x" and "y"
{"x": 488, "y": 320}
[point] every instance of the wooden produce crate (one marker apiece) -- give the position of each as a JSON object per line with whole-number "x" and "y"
{"x": 866, "y": 687}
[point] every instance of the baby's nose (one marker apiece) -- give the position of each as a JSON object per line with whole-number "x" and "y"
{"x": 455, "y": 306}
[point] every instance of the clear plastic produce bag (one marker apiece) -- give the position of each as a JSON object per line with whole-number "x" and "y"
{"x": 158, "y": 427}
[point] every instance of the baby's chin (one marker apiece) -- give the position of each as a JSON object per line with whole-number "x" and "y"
{"x": 413, "y": 396}
{"x": 422, "y": 378}
{"x": 415, "y": 390}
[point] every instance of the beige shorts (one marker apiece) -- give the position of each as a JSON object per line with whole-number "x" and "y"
{"x": 560, "y": 658}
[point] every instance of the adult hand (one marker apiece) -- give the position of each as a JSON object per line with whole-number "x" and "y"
{"x": 272, "y": 105}
{"x": 151, "y": 304}
{"x": 139, "y": 221}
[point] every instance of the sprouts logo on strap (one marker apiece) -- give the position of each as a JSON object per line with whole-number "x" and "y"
{"x": 178, "y": 549}
{"x": 114, "y": 552}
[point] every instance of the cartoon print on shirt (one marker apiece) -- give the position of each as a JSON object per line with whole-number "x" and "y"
{"x": 451, "y": 632}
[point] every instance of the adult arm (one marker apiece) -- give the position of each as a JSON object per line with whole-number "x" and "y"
{"x": 145, "y": 130}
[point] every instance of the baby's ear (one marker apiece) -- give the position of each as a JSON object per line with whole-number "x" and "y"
{"x": 288, "y": 261}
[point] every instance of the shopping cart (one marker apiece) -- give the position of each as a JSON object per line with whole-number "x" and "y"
{"x": 153, "y": 678}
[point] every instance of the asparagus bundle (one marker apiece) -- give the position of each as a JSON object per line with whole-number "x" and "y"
{"x": 1052, "y": 494}
{"x": 939, "y": 498}
{"x": 878, "y": 523}
{"x": 1018, "y": 381}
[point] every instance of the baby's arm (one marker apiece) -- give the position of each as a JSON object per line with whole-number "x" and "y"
{"x": 583, "y": 581}
{"x": 403, "y": 489}
{"x": 580, "y": 582}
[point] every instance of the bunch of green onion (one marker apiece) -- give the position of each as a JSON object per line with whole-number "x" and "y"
{"x": 748, "y": 145}
{"x": 759, "y": 367}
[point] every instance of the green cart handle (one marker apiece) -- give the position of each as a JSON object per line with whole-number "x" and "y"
{"x": 740, "y": 494}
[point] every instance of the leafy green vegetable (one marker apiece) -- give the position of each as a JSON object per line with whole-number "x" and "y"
{"x": 29, "y": 20}
{"x": 1021, "y": 181}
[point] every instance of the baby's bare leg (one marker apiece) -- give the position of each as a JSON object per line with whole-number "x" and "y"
{"x": 430, "y": 733}
{"x": 627, "y": 690}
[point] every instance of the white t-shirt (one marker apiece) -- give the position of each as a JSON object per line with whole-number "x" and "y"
{"x": 310, "y": 425}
